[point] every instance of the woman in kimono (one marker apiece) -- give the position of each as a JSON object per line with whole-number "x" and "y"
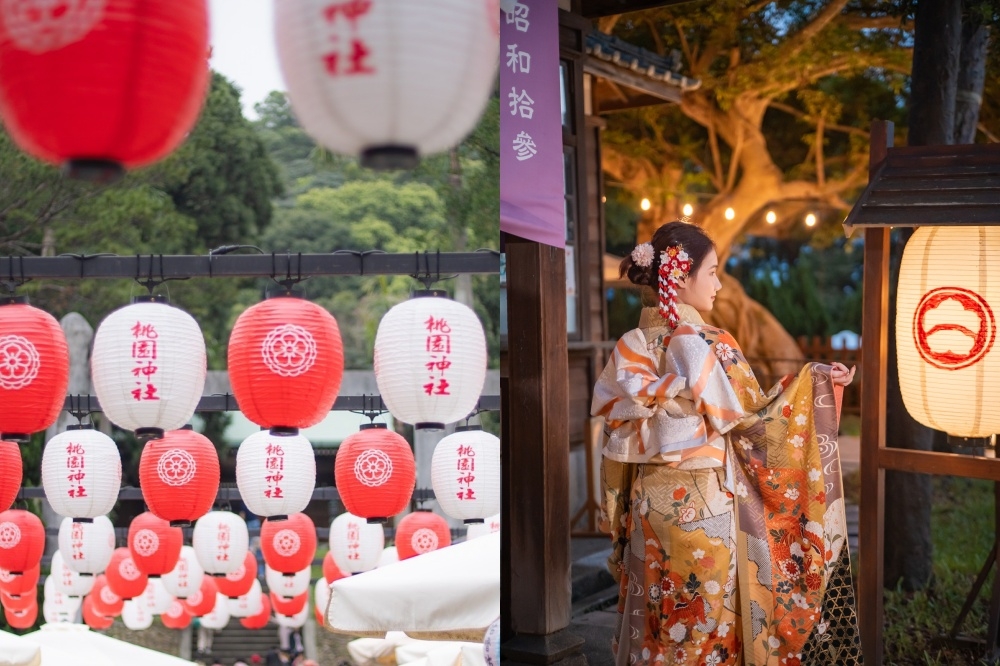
{"x": 724, "y": 502}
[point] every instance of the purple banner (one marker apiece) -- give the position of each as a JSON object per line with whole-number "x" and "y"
{"x": 531, "y": 151}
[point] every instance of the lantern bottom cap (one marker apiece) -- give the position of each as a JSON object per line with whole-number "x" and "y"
{"x": 277, "y": 518}
{"x": 390, "y": 157}
{"x": 19, "y": 437}
{"x": 94, "y": 170}
{"x": 180, "y": 523}
{"x": 81, "y": 519}
{"x": 283, "y": 431}
{"x": 474, "y": 521}
{"x": 377, "y": 521}
{"x": 428, "y": 426}
{"x": 149, "y": 433}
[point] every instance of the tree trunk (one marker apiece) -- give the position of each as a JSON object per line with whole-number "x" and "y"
{"x": 937, "y": 43}
{"x": 971, "y": 77}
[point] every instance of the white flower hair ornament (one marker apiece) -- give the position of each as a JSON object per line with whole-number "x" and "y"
{"x": 643, "y": 255}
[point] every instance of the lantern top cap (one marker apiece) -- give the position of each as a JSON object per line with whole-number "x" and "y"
{"x": 284, "y": 292}
{"x": 374, "y": 426}
{"x": 468, "y": 428}
{"x": 13, "y": 300}
{"x": 151, "y": 298}
{"x": 430, "y": 293}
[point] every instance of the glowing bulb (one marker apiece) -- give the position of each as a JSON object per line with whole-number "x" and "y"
{"x": 810, "y": 220}
{"x": 688, "y": 210}
{"x": 730, "y": 214}
{"x": 771, "y": 217}
{"x": 644, "y": 204}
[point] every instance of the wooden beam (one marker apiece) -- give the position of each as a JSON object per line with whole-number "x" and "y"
{"x": 596, "y": 8}
{"x": 626, "y": 77}
{"x": 943, "y": 464}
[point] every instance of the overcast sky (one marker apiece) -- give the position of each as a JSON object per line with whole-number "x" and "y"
{"x": 243, "y": 48}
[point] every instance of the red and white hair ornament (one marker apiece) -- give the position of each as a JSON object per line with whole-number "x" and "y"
{"x": 674, "y": 265}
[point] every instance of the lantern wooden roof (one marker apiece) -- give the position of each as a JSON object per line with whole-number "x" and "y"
{"x": 597, "y": 8}
{"x": 931, "y": 185}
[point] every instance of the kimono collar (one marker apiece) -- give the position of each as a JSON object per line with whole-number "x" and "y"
{"x": 650, "y": 317}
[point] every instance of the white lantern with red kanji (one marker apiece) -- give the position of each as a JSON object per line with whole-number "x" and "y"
{"x": 136, "y": 614}
{"x": 148, "y": 366}
{"x": 383, "y": 80}
{"x": 58, "y": 606}
{"x": 488, "y": 526}
{"x": 287, "y": 586}
{"x": 430, "y": 360}
{"x": 218, "y": 617}
{"x": 220, "y": 540}
{"x": 156, "y": 597}
{"x": 356, "y": 545}
{"x": 186, "y": 576}
{"x": 321, "y": 598}
{"x": 247, "y": 604}
{"x": 465, "y": 474}
{"x": 87, "y": 547}
{"x": 276, "y": 474}
{"x": 389, "y": 556}
{"x": 81, "y": 473}
{"x": 66, "y": 580}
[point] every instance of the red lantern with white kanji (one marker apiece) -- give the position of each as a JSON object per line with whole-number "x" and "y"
{"x": 136, "y": 615}
{"x": 203, "y": 600}
{"x": 286, "y": 360}
{"x": 375, "y": 472}
{"x": 421, "y": 532}
{"x": 289, "y": 605}
{"x": 239, "y": 582}
{"x": 218, "y": 617}
{"x": 154, "y": 544}
{"x": 356, "y": 545}
{"x": 81, "y": 473}
{"x": 260, "y": 620}
{"x": 179, "y": 476}
{"x": 148, "y": 366}
{"x": 276, "y": 474}
{"x": 66, "y": 580}
{"x": 22, "y": 540}
{"x": 92, "y": 617}
{"x": 105, "y": 601}
{"x": 330, "y": 570}
{"x": 321, "y": 599}
{"x": 22, "y": 619}
{"x": 430, "y": 360}
{"x": 362, "y": 86}
{"x": 289, "y": 545}
{"x": 11, "y": 472}
{"x": 19, "y": 603}
{"x": 34, "y": 359}
{"x": 287, "y": 585}
{"x": 247, "y": 604}
{"x": 87, "y": 547}
{"x": 123, "y": 576}
{"x": 124, "y": 80}
{"x": 185, "y": 578}
{"x": 465, "y": 474}
{"x": 176, "y": 617}
{"x": 22, "y": 583}
{"x": 221, "y": 541}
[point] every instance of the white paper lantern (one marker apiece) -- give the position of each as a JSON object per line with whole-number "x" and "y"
{"x": 389, "y": 556}
{"x": 321, "y": 595}
{"x": 247, "y": 604}
{"x": 136, "y": 614}
{"x": 186, "y": 576}
{"x": 293, "y": 621}
{"x": 489, "y": 526}
{"x": 156, "y": 597}
{"x": 220, "y": 541}
{"x": 56, "y": 606}
{"x": 67, "y": 581}
{"x": 218, "y": 618}
{"x": 465, "y": 474}
{"x": 356, "y": 546}
{"x": 148, "y": 367}
{"x": 276, "y": 474}
{"x": 87, "y": 547}
{"x": 430, "y": 360}
{"x": 287, "y": 586}
{"x": 383, "y": 80}
{"x": 81, "y": 473}
{"x": 946, "y": 329}
{"x": 491, "y": 644}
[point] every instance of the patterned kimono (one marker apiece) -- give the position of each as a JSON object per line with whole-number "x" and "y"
{"x": 725, "y": 504}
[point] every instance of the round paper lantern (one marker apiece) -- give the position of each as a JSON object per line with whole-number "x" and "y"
{"x": 421, "y": 532}
{"x": 490, "y": 525}
{"x": 22, "y": 540}
{"x": 247, "y": 604}
{"x": 375, "y": 473}
{"x": 289, "y": 605}
{"x": 185, "y": 578}
{"x": 218, "y": 617}
{"x": 221, "y": 541}
{"x": 124, "y": 577}
{"x": 261, "y": 619}
{"x": 946, "y": 329}
{"x": 136, "y": 615}
{"x": 154, "y": 544}
{"x": 105, "y": 601}
{"x": 34, "y": 356}
{"x": 19, "y": 603}
{"x": 238, "y": 582}
{"x": 156, "y": 597}
{"x": 321, "y": 599}
{"x": 289, "y": 545}
{"x": 17, "y": 584}
{"x": 491, "y": 644}
{"x": 87, "y": 547}
{"x": 124, "y": 81}
{"x": 22, "y": 619}
{"x": 430, "y": 360}
{"x": 66, "y": 580}
{"x": 56, "y": 606}
{"x": 293, "y": 621}
{"x": 11, "y": 473}
{"x": 465, "y": 474}
{"x": 176, "y": 617}
{"x": 148, "y": 366}
{"x": 276, "y": 474}
{"x": 287, "y": 586}
{"x": 81, "y": 473}
{"x": 286, "y": 361}
{"x": 179, "y": 476}
{"x": 330, "y": 570}
{"x": 332, "y": 53}
{"x": 389, "y": 556}
{"x": 356, "y": 545}
{"x": 92, "y": 618}
{"x": 203, "y": 600}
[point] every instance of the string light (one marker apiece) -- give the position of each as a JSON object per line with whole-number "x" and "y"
{"x": 688, "y": 210}
{"x": 730, "y": 213}
{"x": 771, "y": 217}
{"x": 644, "y": 204}
{"x": 810, "y": 220}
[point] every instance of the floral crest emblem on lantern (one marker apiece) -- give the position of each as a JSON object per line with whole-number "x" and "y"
{"x": 424, "y": 540}
{"x": 146, "y": 542}
{"x": 289, "y": 350}
{"x": 109, "y": 597}
{"x": 128, "y": 570}
{"x": 10, "y": 535}
{"x": 176, "y": 467}
{"x": 19, "y": 362}
{"x": 373, "y": 468}
{"x": 286, "y": 543}
{"x": 38, "y": 26}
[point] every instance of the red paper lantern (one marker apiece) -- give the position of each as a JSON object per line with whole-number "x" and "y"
{"x": 237, "y": 583}
{"x": 179, "y": 476}
{"x": 105, "y": 601}
{"x": 124, "y": 577}
{"x": 11, "y": 472}
{"x": 330, "y": 570}
{"x": 177, "y": 616}
{"x": 124, "y": 80}
{"x": 154, "y": 544}
{"x": 22, "y": 619}
{"x": 289, "y": 605}
{"x": 34, "y": 357}
{"x": 18, "y": 584}
{"x": 375, "y": 473}
{"x": 22, "y": 540}
{"x": 421, "y": 532}
{"x": 93, "y": 618}
{"x": 203, "y": 600}
{"x": 260, "y": 620}
{"x": 289, "y": 545}
{"x": 286, "y": 360}
{"x": 19, "y": 603}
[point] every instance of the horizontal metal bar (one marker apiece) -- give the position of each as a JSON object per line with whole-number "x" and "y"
{"x": 226, "y": 494}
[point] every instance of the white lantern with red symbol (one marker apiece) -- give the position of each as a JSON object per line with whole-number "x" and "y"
{"x": 81, "y": 473}
{"x": 136, "y": 614}
{"x": 87, "y": 547}
{"x": 218, "y": 617}
{"x": 220, "y": 540}
{"x": 156, "y": 597}
{"x": 287, "y": 586}
{"x": 430, "y": 360}
{"x": 362, "y": 80}
{"x": 488, "y": 526}
{"x": 389, "y": 556}
{"x": 247, "y": 604}
{"x": 276, "y": 474}
{"x": 66, "y": 580}
{"x": 293, "y": 621}
{"x": 185, "y": 578}
{"x": 946, "y": 329}
{"x": 149, "y": 366}
{"x": 57, "y": 606}
{"x": 356, "y": 545}
{"x": 465, "y": 474}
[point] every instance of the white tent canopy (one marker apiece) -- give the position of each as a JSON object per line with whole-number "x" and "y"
{"x": 451, "y": 593}
{"x": 15, "y": 651}
{"x": 74, "y": 644}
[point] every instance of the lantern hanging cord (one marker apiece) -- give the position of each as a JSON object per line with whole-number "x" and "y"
{"x": 77, "y": 408}
{"x": 12, "y": 283}
{"x": 82, "y": 258}
{"x": 226, "y": 249}
{"x": 426, "y": 276}
{"x": 369, "y": 409}
{"x": 289, "y": 281}
{"x": 151, "y": 283}
{"x": 360, "y": 255}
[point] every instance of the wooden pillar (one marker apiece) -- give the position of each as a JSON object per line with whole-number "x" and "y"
{"x": 874, "y": 357}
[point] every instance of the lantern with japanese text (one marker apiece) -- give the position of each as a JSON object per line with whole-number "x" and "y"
{"x": 389, "y": 556}
{"x": 289, "y": 545}
{"x": 179, "y": 476}
{"x": 20, "y": 602}
{"x": 11, "y": 472}
{"x": 946, "y": 329}
{"x": 285, "y": 585}
{"x": 421, "y": 532}
{"x": 16, "y": 584}
{"x": 154, "y": 544}
{"x": 155, "y": 596}
{"x": 352, "y": 73}
{"x": 148, "y": 366}
{"x": 56, "y": 606}
{"x": 81, "y": 473}
{"x": 176, "y": 617}
{"x": 22, "y": 540}
{"x": 92, "y": 617}
{"x": 136, "y": 615}
{"x": 66, "y": 580}
{"x": 124, "y": 80}
{"x": 203, "y": 600}
{"x": 430, "y": 360}
{"x": 276, "y": 474}
{"x": 488, "y": 526}
{"x": 24, "y": 619}
{"x": 247, "y": 604}
{"x": 321, "y": 599}
{"x": 293, "y": 621}
{"x": 260, "y": 620}
{"x": 491, "y": 644}
{"x": 465, "y": 474}
{"x": 185, "y": 578}
{"x": 375, "y": 473}
{"x": 105, "y": 601}
{"x": 87, "y": 547}
{"x": 124, "y": 578}
{"x": 330, "y": 570}
{"x": 356, "y": 545}
{"x": 218, "y": 617}
{"x": 238, "y": 582}
{"x": 286, "y": 361}
{"x": 220, "y": 540}
{"x": 289, "y": 605}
